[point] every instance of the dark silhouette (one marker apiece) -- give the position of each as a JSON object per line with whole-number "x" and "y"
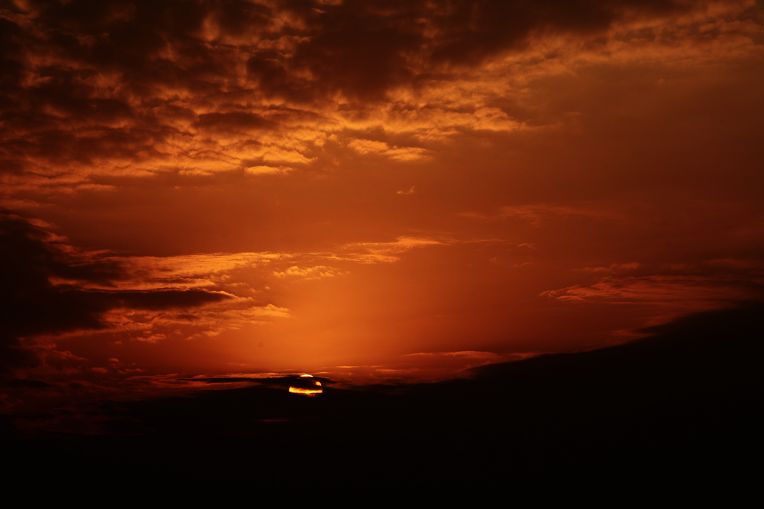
{"x": 684, "y": 401}
{"x": 30, "y": 304}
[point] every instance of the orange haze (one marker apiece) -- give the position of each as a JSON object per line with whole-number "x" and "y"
{"x": 394, "y": 190}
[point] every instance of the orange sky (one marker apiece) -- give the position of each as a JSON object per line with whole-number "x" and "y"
{"x": 393, "y": 189}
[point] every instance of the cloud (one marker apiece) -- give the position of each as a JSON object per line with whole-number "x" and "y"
{"x": 654, "y": 289}
{"x": 153, "y": 325}
{"x": 469, "y": 358}
{"x": 657, "y": 292}
{"x": 212, "y": 271}
{"x": 188, "y": 271}
{"x": 363, "y": 50}
{"x": 381, "y": 148}
{"x": 267, "y": 170}
{"x": 94, "y": 89}
{"x": 670, "y": 290}
{"x": 32, "y": 258}
{"x": 536, "y": 213}
{"x": 232, "y": 121}
{"x": 156, "y": 299}
{"x": 613, "y": 268}
{"x": 385, "y": 252}
{"x": 410, "y": 191}
{"x": 267, "y": 113}
{"x": 53, "y": 292}
{"x": 314, "y": 272}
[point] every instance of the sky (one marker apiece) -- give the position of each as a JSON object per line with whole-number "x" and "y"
{"x": 371, "y": 190}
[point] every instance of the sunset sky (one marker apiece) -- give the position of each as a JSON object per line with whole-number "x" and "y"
{"x": 370, "y": 190}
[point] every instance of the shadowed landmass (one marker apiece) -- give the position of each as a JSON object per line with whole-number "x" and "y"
{"x": 684, "y": 401}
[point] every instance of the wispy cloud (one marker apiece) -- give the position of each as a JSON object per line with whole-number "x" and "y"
{"x": 536, "y": 213}
{"x": 366, "y": 147}
{"x": 309, "y": 272}
{"x": 386, "y": 252}
{"x": 686, "y": 286}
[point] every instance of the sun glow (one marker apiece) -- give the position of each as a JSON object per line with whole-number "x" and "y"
{"x": 307, "y": 386}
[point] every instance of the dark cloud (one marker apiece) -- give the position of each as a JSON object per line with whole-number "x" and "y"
{"x": 156, "y": 299}
{"x": 83, "y": 81}
{"x": 68, "y": 92}
{"x": 60, "y": 147}
{"x": 88, "y": 80}
{"x": 149, "y": 43}
{"x": 362, "y": 49}
{"x": 232, "y": 121}
{"x": 358, "y": 48}
{"x": 30, "y": 257}
{"x": 269, "y": 70}
{"x": 11, "y": 64}
{"x": 468, "y": 32}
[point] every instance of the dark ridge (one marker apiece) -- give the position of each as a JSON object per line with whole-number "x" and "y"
{"x": 685, "y": 402}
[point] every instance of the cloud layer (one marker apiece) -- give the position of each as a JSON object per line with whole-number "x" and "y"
{"x": 116, "y": 88}
{"x": 299, "y": 184}
{"x": 32, "y": 304}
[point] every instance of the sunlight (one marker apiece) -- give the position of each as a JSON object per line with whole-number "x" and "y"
{"x": 307, "y": 386}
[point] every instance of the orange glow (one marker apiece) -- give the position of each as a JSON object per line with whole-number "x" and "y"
{"x": 305, "y": 392}
{"x": 307, "y": 388}
{"x": 300, "y": 192}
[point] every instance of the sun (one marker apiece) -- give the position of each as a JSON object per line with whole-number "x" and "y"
{"x": 306, "y": 385}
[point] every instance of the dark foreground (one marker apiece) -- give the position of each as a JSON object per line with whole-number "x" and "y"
{"x": 685, "y": 402}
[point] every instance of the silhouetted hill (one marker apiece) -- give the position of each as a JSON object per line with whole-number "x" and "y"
{"x": 684, "y": 401}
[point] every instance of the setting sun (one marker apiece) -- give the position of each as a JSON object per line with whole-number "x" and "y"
{"x": 306, "y": 386}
